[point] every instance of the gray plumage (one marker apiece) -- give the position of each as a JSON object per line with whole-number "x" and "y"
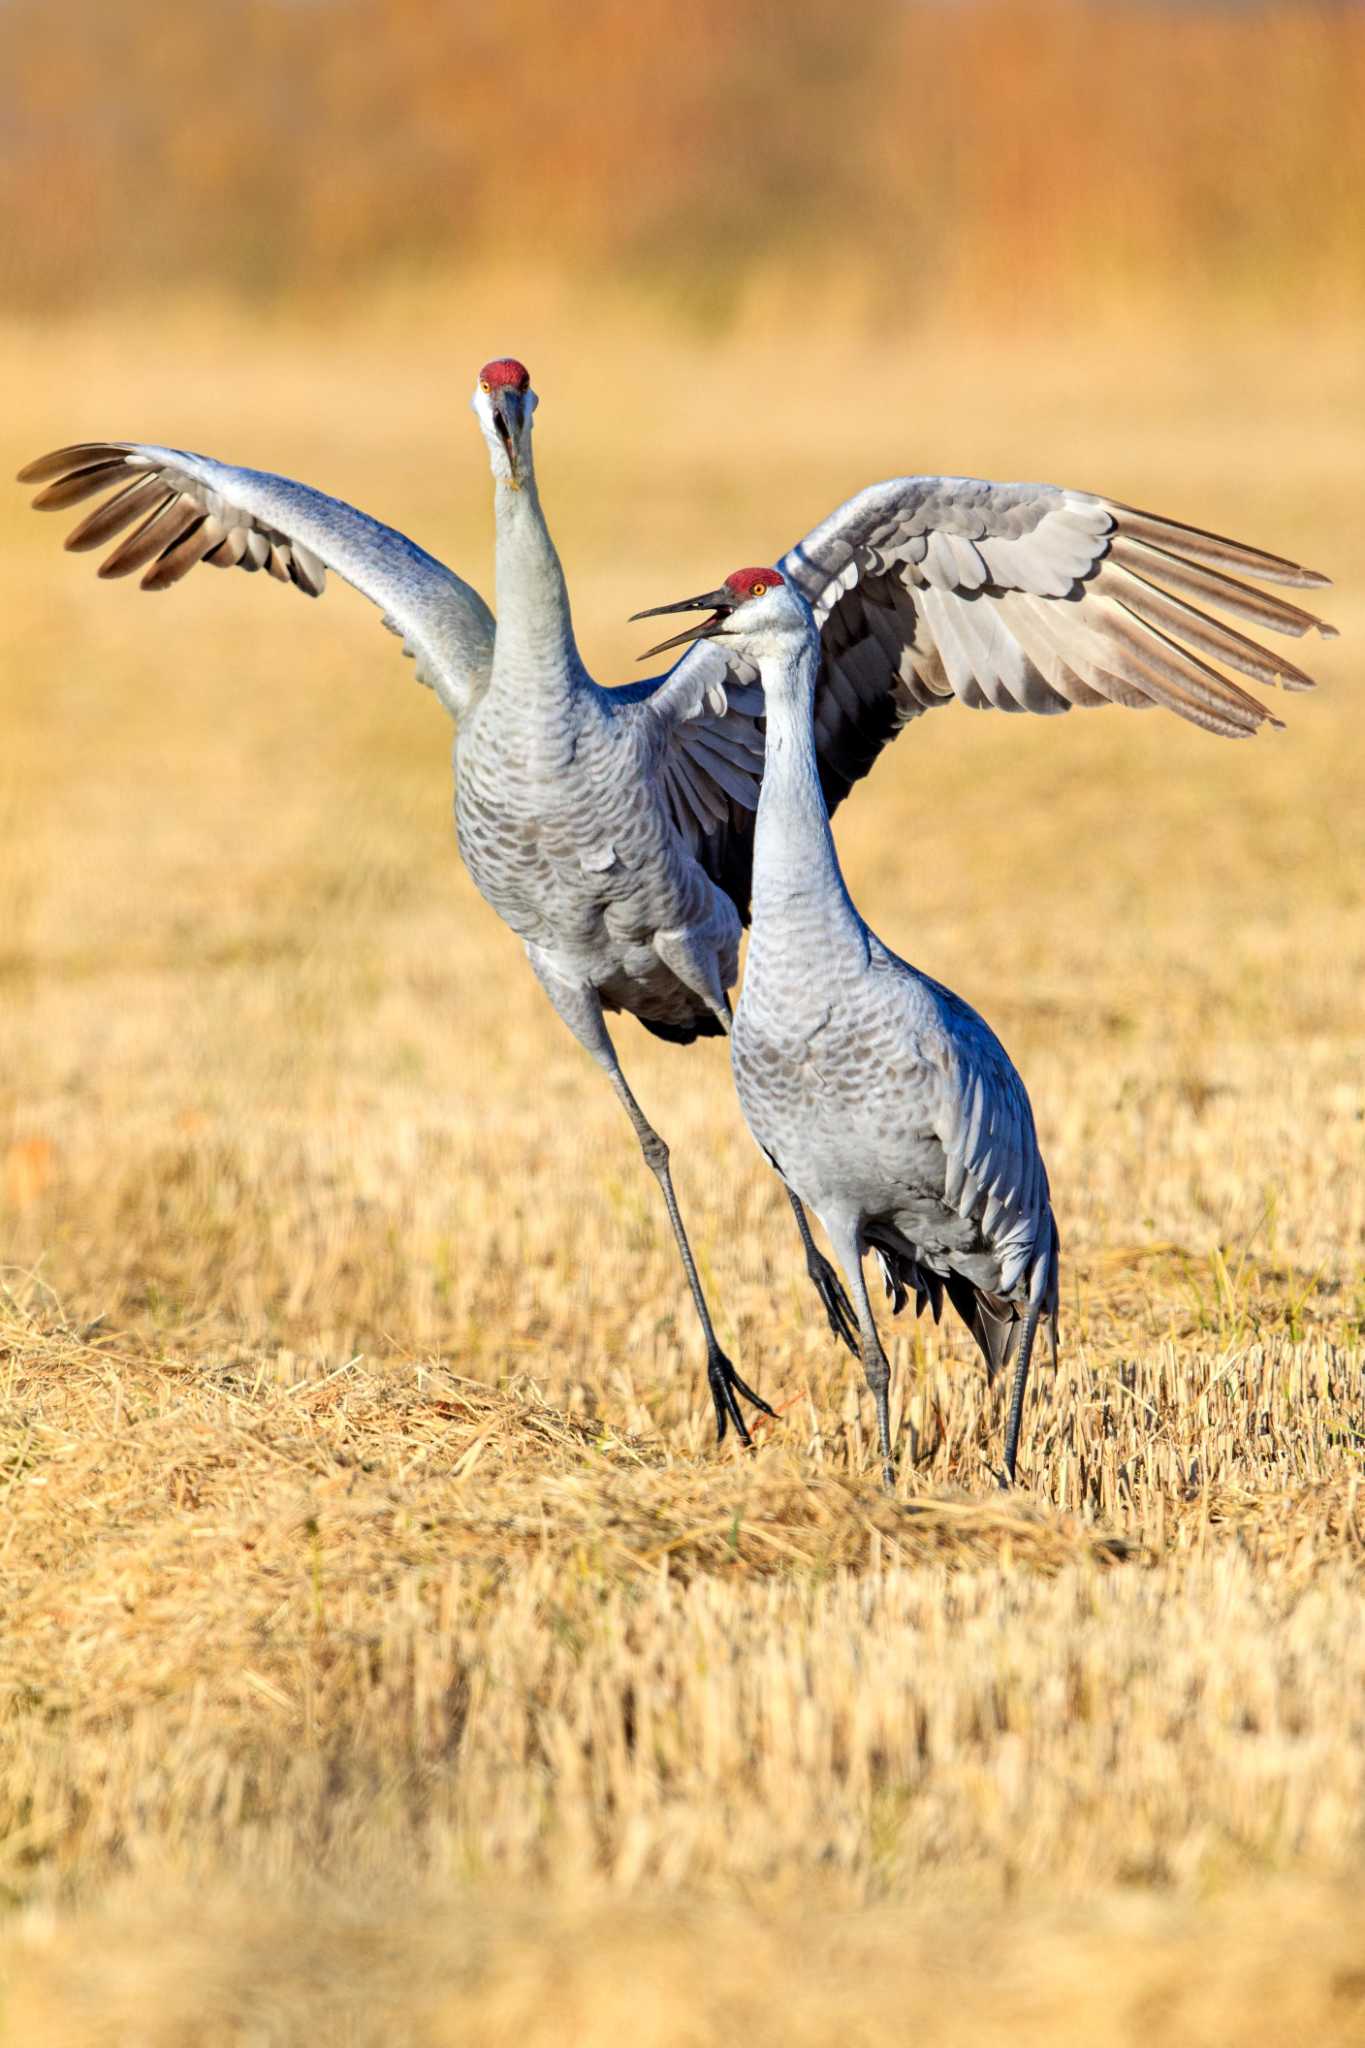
{"x": 884, "y": 1101}
{"x": 184, "y": 509}
{"x": 613, "y": 829}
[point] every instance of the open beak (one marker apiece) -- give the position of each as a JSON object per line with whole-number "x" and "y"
{"x": 718, "y": 602}
{"x": 507, "y": 419}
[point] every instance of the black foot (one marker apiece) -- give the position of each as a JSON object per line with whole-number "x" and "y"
{"x": 838, "y": 1307}
{"x": 725, "y": 1384}
{"x": 888, "y": 1476}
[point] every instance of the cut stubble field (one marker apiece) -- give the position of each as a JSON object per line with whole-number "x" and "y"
{"x": 389, "y": 1654}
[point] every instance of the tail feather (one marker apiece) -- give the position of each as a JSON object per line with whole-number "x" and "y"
{"x": 901, "y": 1274}
{"x": 703, "y": 1026}
{"x": 995, "y": 1321}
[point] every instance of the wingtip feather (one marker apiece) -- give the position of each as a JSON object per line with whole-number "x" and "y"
{"x": 59, "y": 462}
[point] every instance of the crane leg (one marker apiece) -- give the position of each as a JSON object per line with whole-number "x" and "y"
{"x": 1021, "y": 1365}
{"x": 826, "y": 1281}
{"x": 875, "y": 1368}
{"x": 581, "y": 1009}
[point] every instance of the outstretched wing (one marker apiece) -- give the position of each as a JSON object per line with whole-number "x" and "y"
{"x": 1021, "y": 597}
{"x": 1028, "y": 598}
{"x": 170, "y": 510}
{"x": 711, "y": 711}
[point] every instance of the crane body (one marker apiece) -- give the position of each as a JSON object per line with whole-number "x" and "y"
{"x": 613, "y": 829}
{"x": 562, "y": 816}
{"x": 883, "y": 1100}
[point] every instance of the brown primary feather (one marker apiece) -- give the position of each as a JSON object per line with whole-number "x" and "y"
{"x": 1181, "y": 681}
{"x": 177, "y": 561}
{"x": 229, "y": 550}
{"x": 913, "y": 631}
{"x": 1131, "y": 629}
{"x": 1230, "y": 595}
{"x": 1213, "y": 550}
{"x": 153, "y": 537}
{"x": 172, "y": 527}
{"x": 127, "y": 505}
{"x": 63, "y": 461}
{"x": 79, "y": 484}
{"x": 1195, "y": 628}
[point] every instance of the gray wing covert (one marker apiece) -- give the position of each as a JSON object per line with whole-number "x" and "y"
{"x": 1026, "y": 597}
{"x": 184, "y": 509}
{"x": 709, "y": 708}
{"x": 986, "y": 1128}
{"x": 1022, "y": 597}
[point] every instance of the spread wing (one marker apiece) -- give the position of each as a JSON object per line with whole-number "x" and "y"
{"x": 711, "y": 710}
{"x": 1029, "y": 598}
{"x": 168, "y": 510}
{"x": 1021, "y": 597}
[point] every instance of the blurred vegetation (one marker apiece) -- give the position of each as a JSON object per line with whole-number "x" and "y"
{"x": 1030, "y": 160}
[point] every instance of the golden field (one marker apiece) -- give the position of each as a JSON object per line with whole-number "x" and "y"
{"x": 389, "y": 1655}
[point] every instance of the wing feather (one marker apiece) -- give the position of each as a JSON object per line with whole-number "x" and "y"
{"x": 184, "y": 508}
{"x": 1230, "y": 595}
{"x": 1018, "y": 597}
{"x": 1198, "y": 629}
{"x": 79, "y": 484}
{"x": 156, "y": 536}
{"x": 1213, "y": 550}
{"x": 1083, "y": 601}
{"x": 984, "y": 1122}
{"x": 143, "y": 495}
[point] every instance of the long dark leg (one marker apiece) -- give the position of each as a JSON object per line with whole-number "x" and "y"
{"x": 581, "y": 1010}
{"x": 1016, "y": 1414}
{"x": 875, "y": 1368}
{"x": 826, "y": 1281}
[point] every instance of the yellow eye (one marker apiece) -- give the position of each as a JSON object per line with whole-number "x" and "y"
{"x": 758, "y": 589}
{"x": 484, "y": 384}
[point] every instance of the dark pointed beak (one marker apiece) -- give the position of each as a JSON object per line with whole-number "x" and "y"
{"x": 507, "y": 418}
{"x": 719, "y": 602}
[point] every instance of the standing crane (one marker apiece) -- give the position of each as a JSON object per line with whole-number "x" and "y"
{"x": 612, "y": 829}
{"x": 881, "y": 1098}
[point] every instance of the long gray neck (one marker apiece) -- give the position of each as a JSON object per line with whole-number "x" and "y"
{"x": 797, "y": 879}
{"x": 535, "y": 645}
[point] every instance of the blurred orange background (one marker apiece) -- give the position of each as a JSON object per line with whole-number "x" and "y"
{"x": 898, "y": 160}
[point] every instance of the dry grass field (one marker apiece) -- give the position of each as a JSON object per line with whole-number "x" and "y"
{"x": 388, "y": 1654}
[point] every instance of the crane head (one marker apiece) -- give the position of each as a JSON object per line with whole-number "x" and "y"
{"x": 503, "y": 403}
{"x": 749, "y": 601}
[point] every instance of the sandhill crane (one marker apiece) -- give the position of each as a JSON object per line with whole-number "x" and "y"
{"x": 612, "y": 829}
{"x": 881, "y": 1098}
